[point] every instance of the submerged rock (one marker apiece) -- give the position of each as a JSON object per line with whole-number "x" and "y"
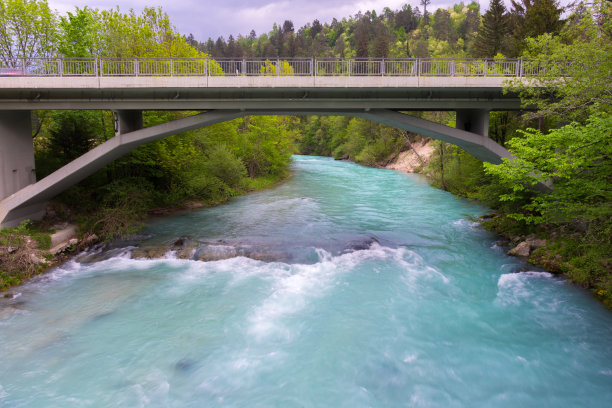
{"x": 359, "y": 245}
{"x": 155, "y": 252}
{"x": 184, "y": 365}
{"x": 188, "y": 252}
{"x": 209, "y": 253}
{"x": 180, "y": 242}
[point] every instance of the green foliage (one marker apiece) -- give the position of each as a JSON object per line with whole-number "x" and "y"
{"x": 43, "y": 240}
{"x": 280, "y": 68}
{"x": 148, "y": 35}
{"x": 575, "y": 71}
{"x": 28, "y": 28}
{"x": 493, "y": 32}
{"x": 80, "y": 33}
{"x": 576, "y": 158}
{"x": 73, "y": 133}
{"x": 532, "y": 18}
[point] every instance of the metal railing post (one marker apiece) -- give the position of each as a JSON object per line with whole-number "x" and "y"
{"x": 59, "y": 68}
{"x": 243, "y": 67}
{"x": 316, "y": 66}
{"x": 382, "y": 67}
{"x": 349, "y": 67}
{"x": 452, "y": 68}
{"x": 277, "y": 67}
{"x": 136, "y": 67}
{"x": 171, "y": 67}
{"x": 484, "y": 71}
{"x": 96, "y": 66}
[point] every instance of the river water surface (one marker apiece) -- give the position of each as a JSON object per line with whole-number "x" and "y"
{"x": 369, "y": 288}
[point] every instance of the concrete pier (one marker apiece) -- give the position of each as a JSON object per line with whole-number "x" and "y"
{"x": 473, "y": 120}
{"x": 16, "y": 152}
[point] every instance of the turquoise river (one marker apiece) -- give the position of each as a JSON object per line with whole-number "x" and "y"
{"x": 345, "y": 286}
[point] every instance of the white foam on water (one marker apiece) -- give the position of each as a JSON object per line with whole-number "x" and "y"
{"x": 416, "y": 267}
{"x": 68, "y": 268}
{"x": 466, "y": 223}
{"x": 153, "y": 389}
{"x": 515, "y": 288}
{"x": 411, "y": 358}
{"x": 297, "y": 285}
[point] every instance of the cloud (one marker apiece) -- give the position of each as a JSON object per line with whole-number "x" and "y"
{"x": 212, "y": 19}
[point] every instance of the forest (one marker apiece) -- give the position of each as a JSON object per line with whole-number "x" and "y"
{"x": 562, "y": 138}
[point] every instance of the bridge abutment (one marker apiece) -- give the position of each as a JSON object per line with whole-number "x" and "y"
{"x": 473, "y": 120}
{"x": 17, "y": 169}
{"x": 16, "y": 152}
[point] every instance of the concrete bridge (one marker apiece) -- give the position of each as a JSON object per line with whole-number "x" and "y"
{"x": 377, "y": 90}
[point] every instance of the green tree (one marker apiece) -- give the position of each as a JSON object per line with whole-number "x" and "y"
{"x": 574, "y": 71}
{"x": 576, "y": 157}
{"x": 531, "y": 18}
{"x": 28, "y": 29}
{"x": 492, "y": 34}
{"x": 150, "y": 34}
{"x": 73, "y": 133}
{"x": 80, "y": 34}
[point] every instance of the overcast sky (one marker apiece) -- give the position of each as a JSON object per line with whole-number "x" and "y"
{"x": 207, "y": 18}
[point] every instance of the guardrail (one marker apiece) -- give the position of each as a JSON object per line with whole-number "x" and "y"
{"x": 411, "y": 67}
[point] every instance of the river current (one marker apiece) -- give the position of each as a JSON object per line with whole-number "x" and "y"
{"x": 369, "y": 288}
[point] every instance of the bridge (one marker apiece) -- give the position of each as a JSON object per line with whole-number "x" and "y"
{"x": 377, "y": 90}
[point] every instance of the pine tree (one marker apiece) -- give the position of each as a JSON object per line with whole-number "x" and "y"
{"x": 425, "y": 3}
{"x": 381, "y": 42}
{"x": 492, "y": 34}
{"x": 362, "y": 40}
{"x": 531, "y": 18}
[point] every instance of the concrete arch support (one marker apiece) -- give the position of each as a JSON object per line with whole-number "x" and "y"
{"x": 478, "y": 145}
{"x": 29, "y": 202}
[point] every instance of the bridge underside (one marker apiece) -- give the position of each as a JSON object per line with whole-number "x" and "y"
{"x": 24, "y": 200}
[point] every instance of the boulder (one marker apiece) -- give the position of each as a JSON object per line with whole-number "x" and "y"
{"x": 522, "y": 249}
{"x": 536, "y": 243}
{"x": 188, "y": 252}
{"x": 62, "y": 235}
{"x": 90, "y": 240}
{"x": 36, "y": 260}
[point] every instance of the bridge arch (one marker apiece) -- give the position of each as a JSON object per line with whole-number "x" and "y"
{"x": 30, "y": 201}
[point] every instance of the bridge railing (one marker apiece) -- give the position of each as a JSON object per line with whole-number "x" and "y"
{"x": 410, "y": 67}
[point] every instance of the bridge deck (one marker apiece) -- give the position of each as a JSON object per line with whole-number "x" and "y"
{"x": 256, "y": 92}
